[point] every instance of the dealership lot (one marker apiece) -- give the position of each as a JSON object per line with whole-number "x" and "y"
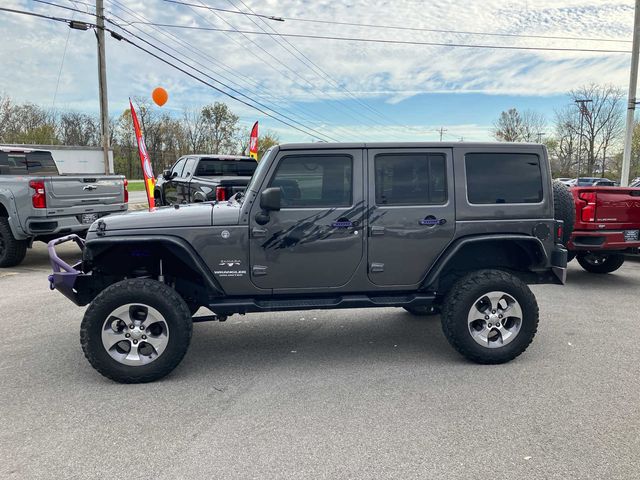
{"x": 327, "y": 394}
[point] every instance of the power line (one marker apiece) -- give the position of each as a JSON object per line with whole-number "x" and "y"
{"x": 204, "y": 55}
{"x": 413, "y": 29}
{"x": 277, "y": 60}
{"x": 311, "y": 64}
{"x": 396, "y": 42}
{"x": 164, "y": 60}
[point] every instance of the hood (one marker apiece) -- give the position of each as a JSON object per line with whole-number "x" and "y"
{"x": 193, "y": 215}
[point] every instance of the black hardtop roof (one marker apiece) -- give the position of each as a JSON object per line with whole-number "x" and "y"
{"x": 337, "y": 145}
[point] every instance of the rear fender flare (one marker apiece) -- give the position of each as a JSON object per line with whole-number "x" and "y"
{"x": 455, "y": 247}
{"x": 8, "y": 205}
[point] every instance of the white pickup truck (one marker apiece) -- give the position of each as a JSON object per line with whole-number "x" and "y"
{"x": 37, "y": 203}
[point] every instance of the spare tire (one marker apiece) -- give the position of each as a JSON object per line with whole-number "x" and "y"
{"x": 564, "y": 209}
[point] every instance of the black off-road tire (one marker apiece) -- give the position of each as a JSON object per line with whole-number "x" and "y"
{"x": 564, "y": 209}
{"x": 144, "y": 291}
{"x": 460, "y": 300}
{"x": 423, "y": 310}
{"x": 12, "y": 251}
{"x": 600, "y": 262}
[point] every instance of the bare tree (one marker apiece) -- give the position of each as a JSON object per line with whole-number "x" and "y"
{"x": 513, "y": 126}
{"x": 602, "y": 121}
{"x": 221, "y": 125}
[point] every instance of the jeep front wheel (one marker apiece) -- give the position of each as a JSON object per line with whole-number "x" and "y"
{"x": 136, "y": 331}
{"x": 490, "y": 316}
{"x": 601, "y": 262}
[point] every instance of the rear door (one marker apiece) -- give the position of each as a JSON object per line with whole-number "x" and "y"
{"x": 315, "y": 240}
{"x": 413, "y": 216}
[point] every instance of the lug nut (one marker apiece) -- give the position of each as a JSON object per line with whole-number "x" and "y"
{"x": 500, "y": 316}
{"x": 486, "y": 317}
{"x": 135, "y": 341}
{"x": 489, "y": 324}
{"x": 144, "y": 337}
{"x": 141, "y": 327}
{"x": 131, "y": 326}
{"x": 127, "y": 335}
{"x": 498, "y": 324}
{"x": 493, "y": 311}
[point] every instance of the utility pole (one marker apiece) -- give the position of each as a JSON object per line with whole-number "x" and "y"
{"x": 581, "y": 105}
{"x": 631, "y": 107}
{"x": 539, "y": 135}
{"x": 102, "y": 83}
{"x": 442, "y": 129}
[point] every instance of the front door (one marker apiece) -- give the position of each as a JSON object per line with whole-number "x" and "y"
{"x": 413, "y": 215}
{"x": 170, "y": 187}
{"x": 316, "y": 239}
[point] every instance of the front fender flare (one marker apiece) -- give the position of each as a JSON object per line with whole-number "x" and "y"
{"x": 176, "y": 245}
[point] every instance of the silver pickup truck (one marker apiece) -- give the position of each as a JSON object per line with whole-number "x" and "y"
{"x": 37, "y": 203}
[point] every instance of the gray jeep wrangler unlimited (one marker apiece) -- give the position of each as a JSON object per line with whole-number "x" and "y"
{"x": 459, "y": 229}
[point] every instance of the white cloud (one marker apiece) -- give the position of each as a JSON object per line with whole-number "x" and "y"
{"x": 391, "y": 73}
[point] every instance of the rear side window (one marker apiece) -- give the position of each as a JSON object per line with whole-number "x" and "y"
{"x": 41, "y": 163}
{"x": 410, "y": 179}
{"x": 13, "y": 163}
{"x": 503, "y": 178}
{"x": 315, "y": 180}
{"x": 211, "y": 167}
{"x": 178, "y": 167}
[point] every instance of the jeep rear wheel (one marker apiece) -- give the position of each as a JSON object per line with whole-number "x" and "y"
{"x": 600, "y": 262}
{"x": 12, "y": 251}
{"x": 490, "y": 316}
{"x": 136, "y": 331}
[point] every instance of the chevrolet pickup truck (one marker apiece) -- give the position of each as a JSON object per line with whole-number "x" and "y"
{"x": 607, "y": 226}
{"x": 204, "y": 178}
{"x": 37, "y": 203}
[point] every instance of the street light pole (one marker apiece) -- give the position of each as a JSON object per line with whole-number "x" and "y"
{"x": 102, "y": 83}
{"x": 631, "y": 107}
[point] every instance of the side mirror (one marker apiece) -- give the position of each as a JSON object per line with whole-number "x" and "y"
{"x": 166, "y": 174}
{"x": 270, "y": 199}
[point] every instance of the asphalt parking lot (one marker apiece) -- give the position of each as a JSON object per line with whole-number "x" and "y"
{"x": 328, "y": 394}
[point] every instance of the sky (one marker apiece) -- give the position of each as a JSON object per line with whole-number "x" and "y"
{"x": 330, "y": 89}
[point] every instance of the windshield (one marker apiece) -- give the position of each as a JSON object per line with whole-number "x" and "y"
{"x": 261, "y": 166}
{"x": 211, "y": 167}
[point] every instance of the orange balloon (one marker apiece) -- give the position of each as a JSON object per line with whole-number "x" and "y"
{"x": 160, "y": 96}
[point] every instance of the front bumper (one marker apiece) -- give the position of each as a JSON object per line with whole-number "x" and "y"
{"x": 65, "y": 277}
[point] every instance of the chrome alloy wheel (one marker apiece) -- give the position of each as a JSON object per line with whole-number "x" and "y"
{"x": 135, "y": 334}
{"x": 495, "y": 319}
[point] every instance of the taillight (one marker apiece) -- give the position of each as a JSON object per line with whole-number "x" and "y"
{"x": 560, "y": 231}
{"x": 221, "y": 194}
{"x": 39, "y": 198}
{"x": 588, "y": 212}
{"x": 126, "y": 191}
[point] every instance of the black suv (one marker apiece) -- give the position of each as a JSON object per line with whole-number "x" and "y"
{"x": 458, "y": 229}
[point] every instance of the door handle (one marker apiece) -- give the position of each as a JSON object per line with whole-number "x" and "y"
{"x": 258, "y": 232}
{"x": 377, "y": 230}
{"x": 431, "y": 221}
{"x": 343, "y": 224}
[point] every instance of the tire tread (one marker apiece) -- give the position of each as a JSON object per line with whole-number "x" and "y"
{"x": 126, "y": 286}
{"x": 457, "y": 296}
